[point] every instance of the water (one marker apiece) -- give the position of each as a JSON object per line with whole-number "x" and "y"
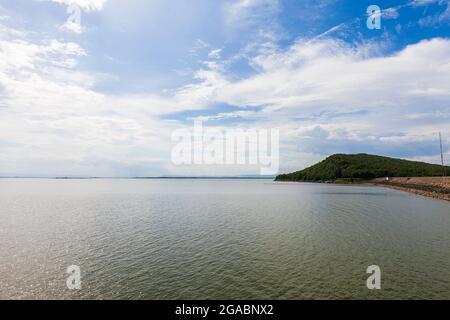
{"x": 219, "y": 239}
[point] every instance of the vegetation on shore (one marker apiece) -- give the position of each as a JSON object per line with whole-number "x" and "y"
{"x": 348, "y": 168}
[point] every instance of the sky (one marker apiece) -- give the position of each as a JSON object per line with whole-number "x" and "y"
{"x": 103, "y": 97}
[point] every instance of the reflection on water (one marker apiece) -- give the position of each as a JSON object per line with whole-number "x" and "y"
{"x": 219, "y": 239}
{"x": 356, "y": 193}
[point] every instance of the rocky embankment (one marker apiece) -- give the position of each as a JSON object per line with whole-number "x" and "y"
{"x": 436, "y": 187}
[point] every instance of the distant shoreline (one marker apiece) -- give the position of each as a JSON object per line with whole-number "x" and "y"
{"x": 433, "y": 187}
{"x": 147, "y": 178}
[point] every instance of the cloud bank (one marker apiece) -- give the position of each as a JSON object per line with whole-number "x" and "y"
{"x": 325, "y": 95}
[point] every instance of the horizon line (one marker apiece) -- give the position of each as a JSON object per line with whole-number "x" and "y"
{"x": 145, "y": 177}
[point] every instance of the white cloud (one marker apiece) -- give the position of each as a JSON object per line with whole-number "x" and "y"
{"x": 215, "y": 54}
{"x": 87, "y": 5}
{"x": 390, "y": 13}
{"x": 324, "y": 95}
{"x": 258, "y": 17}
{"x": 244, "y": 9}
{"x": 417, "y": 3}
{"x": 55, "y": 123}
{"x": 335, "y": 81}
{"x": 325, "y": 72}
{"x": 72, "y": 27}
{"x": 442, "y": 17}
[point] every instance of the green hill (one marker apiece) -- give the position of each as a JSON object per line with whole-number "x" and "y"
{"x": 349, "y": 167}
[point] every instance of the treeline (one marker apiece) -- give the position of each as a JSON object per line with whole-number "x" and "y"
{"x": 364, "y": 167}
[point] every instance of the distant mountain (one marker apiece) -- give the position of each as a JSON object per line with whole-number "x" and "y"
{"x": 349, "y": 167}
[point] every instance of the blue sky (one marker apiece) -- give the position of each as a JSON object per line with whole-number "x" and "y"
{"x": 103, "y": 98}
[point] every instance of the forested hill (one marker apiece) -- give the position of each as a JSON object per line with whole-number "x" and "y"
{"x": 363, "y": 166}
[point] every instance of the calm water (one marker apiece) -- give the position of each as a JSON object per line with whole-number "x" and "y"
{"x": 219, "y": 239}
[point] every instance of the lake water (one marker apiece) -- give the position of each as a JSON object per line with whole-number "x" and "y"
{"x": 219, "y": 239}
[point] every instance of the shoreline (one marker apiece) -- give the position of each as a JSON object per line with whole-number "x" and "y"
{"x": 432, "y": 187}
{"x": 428, "y": 194}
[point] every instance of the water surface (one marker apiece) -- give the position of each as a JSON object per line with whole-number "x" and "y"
{"x": 219, "y": 239}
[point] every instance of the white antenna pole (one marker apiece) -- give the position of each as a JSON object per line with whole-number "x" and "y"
{"x": 442, "y": 155}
